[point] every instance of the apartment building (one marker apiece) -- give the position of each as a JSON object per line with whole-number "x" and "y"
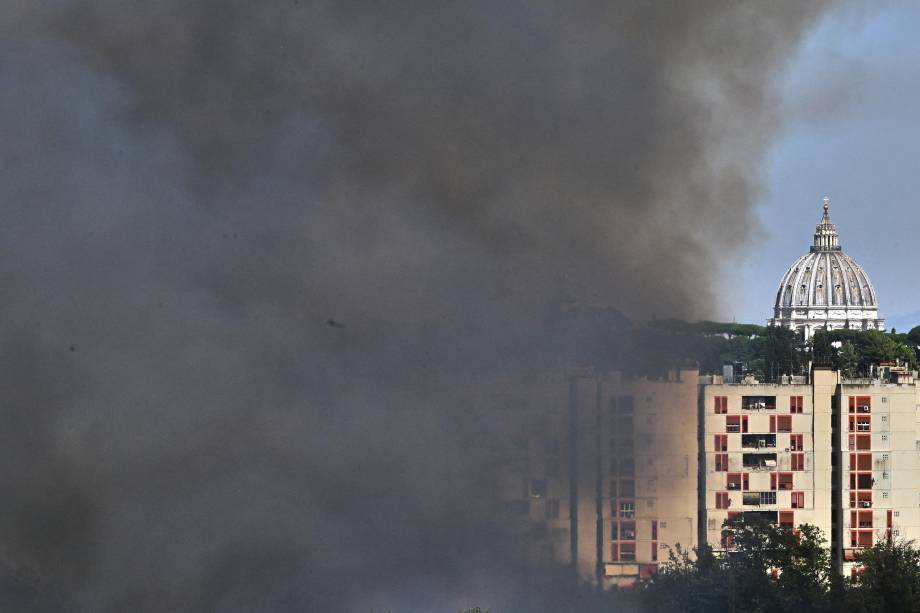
{"x": 768, "y": 453}
{"x": 878, "y": 438}
{"x": 605, "y": 473}
{"x": 842, "y": 455}
{"x": 601, "y": 472}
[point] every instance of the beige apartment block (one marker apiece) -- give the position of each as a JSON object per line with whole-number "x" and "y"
{"x": 879, "y": 439}
{"x": 767, "y": 454}
{"x": 600, "y": 472}
{"x": 604, "y": 473}
{"x": 842, "y": 455}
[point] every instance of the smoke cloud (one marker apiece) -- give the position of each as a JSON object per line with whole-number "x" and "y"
{"x": 261, "y": 258}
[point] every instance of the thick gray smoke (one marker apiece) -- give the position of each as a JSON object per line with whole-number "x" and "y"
{"x": 191, "y": 190}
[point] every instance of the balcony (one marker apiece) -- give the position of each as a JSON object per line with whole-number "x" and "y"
{"x": 759, "y": 461}
{"x": 758, "y": 403}
{"x": 758, "y": 441}
{"x": 756, "y": 499}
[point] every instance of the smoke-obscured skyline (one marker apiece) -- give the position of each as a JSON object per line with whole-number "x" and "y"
{"x": 193, "y": 189}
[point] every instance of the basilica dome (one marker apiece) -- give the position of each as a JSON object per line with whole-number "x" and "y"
{"x": 826, "y": 288}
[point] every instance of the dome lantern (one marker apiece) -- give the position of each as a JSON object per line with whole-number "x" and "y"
{"x": 826, "y": 238}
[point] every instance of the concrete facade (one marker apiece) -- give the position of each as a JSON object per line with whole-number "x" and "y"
{"x": 606, "y": 473}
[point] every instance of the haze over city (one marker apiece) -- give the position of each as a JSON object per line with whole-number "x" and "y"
{"x": 316, "y": 305}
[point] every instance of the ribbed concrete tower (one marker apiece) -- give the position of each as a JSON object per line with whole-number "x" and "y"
{"x": 826, "y": 288}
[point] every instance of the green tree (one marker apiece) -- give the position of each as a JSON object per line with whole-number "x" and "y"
{"x": 770, "y": 569}
{"x": 890, "y": 580}
{"x": 822, "y": 352}
{"x": 780, "y": 352}
{"x": 847, "y": 360}
{"x": 913, "y": 337}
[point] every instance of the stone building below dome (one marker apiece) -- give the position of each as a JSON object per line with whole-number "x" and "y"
{"x": 826, "y": 289}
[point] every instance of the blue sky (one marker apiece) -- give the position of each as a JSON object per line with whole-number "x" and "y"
{"x": 852, "y": 132}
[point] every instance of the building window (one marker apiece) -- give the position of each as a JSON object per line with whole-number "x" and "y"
{"x": 795, "y": 404}
{"x": 721, "y": 404}
{"x": 551, "y": 509}
{"x": 784, "y": 423}
{"x": 737, "y": 481}
{"x": 860, "y": 442}
{"x": 733, "y": 423}
{"x": 758, "y": 403}
{"x": 861, "y": 538}
{"x": 860, "y": 423}
{"x": 722, "y": 500}
{"x": 861, "y": 500}
{"x": 860, "y": 461}
{"x": 798, "y": 500}
{"x": 786, "y": 519}
{"x": 736, "y": 423}
{"x": 614, "y": 552}
{"x": 860, "y": 519}
{"x": 627, "y": 510}
{"x": 860, "y": 404}
{"x": 796, "y": 442}
{"x": 654, "y": 529}
{"x": 861, "y": 481}
{"x": 721, "y": 462}
{"x": 798, "y": 461}
{"x": 654, "y": 551}
{"x": 780, "y": 481}
{"x": 628, "y": 531}
{"x": 627, "y": 488}
{"x": 721, "y": 442}
{"x": 767, "y": 498}
{"x": 627, "y": 552}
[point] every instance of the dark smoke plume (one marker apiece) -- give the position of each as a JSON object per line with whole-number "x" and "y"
{"x": 193, "y": 190}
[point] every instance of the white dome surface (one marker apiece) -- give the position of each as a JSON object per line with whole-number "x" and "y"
{"x": 826, "y": 288}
